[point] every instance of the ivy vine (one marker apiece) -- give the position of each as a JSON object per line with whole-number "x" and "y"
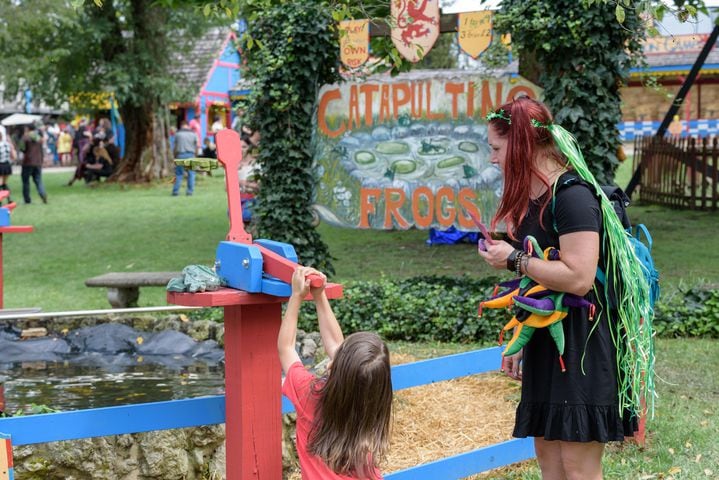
{"x": 581, "y": 55}
{"x": 290, "y": 50}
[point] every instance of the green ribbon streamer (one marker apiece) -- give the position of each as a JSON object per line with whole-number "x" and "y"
{"x": 633, "y": 332}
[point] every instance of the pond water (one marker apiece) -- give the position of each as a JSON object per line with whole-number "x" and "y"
{"x": 71, "y": 385}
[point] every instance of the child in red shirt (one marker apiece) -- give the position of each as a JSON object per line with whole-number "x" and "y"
{"x": 343, "y": 418}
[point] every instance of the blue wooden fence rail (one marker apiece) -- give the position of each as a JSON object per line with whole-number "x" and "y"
{"x": 194, "y": 412}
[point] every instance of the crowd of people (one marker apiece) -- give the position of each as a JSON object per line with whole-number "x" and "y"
{"x": 88, "y": 145}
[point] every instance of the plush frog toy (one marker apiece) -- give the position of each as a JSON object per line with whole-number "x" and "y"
{"x": 535, "y": 306}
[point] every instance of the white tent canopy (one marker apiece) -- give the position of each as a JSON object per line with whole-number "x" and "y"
{"x": 20, "y": 119}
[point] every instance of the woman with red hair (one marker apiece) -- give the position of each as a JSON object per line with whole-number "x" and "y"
{"x": 570, "y": 413}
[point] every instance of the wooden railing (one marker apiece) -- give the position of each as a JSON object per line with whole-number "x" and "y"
{"x": 678, "y": 172}
{"x": 55, "y": 427}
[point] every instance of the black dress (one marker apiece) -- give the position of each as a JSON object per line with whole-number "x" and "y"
{"x": 580, "y": 404}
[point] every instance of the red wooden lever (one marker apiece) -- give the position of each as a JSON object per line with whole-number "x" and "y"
{"x": 229, "y": 153}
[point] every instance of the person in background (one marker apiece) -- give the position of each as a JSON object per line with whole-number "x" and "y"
{"x": 7, "y": 157}
{"x": 32, "y": 164}
{"x": 53, "y": 132}
{"x": 217, "y": 124}
{"x": 343, "y": 418}
{"x": 104, "y": 126}
{"x": 186, "y": 146}
{"x": 197, "y": 128}
{"x": 64, "y": 147}
{"x": 98, "y": 162}
{"x": 113, "y": 151}
{"x": 248, "y": 170}
{"x": 209, "y": 150}
{"x": 81, "y": 141}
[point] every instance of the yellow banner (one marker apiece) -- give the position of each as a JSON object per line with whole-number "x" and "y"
{"x": 474, "y": 32}
{"x": 91, "y": 100}
{"x": 354, "y": 42}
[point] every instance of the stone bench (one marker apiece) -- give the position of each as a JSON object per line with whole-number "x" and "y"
{"x": 123, "y": 288}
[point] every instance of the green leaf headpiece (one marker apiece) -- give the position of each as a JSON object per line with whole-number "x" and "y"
{"x": 499, "y": 114}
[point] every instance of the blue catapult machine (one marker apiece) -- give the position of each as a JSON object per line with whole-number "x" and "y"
{"x": 260, "y": 266}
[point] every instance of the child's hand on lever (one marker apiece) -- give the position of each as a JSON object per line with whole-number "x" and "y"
{"x": 317, "y": 292}
{"x": 300, "y": 282}
{"x": 305, "y": 280}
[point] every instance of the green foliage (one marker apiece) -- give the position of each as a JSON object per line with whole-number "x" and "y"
{"x": 442, "y": 308}
{"x": 580, "y": 55}
{"x": 32, "y": 409}
{"x": 444, "y": 53}
{"x": 65, "y": 48}
{"x": 689, "y": 312}
{"x": 79, "y": 48}
{"x": 429, "y": 308}
{"x": 291, "y": 50}
{"x": 684, "y": 10}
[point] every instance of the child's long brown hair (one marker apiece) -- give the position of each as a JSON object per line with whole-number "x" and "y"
{"x": 352, "y": 422}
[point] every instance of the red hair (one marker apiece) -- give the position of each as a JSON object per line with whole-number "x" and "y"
{"x": 525, "y": 143}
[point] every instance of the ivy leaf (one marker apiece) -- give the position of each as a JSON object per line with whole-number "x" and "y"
{"x": 619, "y": 12}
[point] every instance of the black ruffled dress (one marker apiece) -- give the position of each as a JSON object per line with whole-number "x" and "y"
{"x": 580, "y": 404}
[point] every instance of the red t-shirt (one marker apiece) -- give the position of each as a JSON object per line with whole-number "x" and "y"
{"x": 297, "y": 387}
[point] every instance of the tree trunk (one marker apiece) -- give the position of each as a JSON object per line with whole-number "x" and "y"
{"x": 146, "y": 154}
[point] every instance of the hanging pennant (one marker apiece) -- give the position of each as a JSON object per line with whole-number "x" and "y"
{"x": 415, "y": 27}
{"x": 474, "y": 32}
{"x": 354, "y": 42}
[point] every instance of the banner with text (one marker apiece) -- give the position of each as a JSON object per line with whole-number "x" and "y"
{"x": 409, "y": 151}
{"x": 354, "y": 42}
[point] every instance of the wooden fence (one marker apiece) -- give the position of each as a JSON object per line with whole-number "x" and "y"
{"x": 55, "y": 427}
{"x": 678, "y": 172}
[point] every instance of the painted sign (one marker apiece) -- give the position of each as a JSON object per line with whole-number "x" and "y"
{"x": 354, "y": 42}
{"x": 675, "y": 44}
{"x": 415, "y": 27}
{"x": 409, "y": 151}
{"x": 474, "y": 32}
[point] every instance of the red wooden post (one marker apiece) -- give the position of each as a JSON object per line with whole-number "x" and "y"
{"x": 253, "y": 401}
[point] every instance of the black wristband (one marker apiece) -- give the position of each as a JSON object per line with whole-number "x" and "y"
{"x": 511, "y": 259}
{"x": 518, "y": 263}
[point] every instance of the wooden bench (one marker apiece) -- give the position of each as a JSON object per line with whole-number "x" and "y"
{"x": 123, "y": 288}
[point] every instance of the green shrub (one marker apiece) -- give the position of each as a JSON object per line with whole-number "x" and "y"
{"x": 430, "y": 308}
{"x": 437, "y": 308}
{"x": 690, "y": 311}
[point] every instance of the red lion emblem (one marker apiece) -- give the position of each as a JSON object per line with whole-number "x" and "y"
{"x": 411, "y": 20}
